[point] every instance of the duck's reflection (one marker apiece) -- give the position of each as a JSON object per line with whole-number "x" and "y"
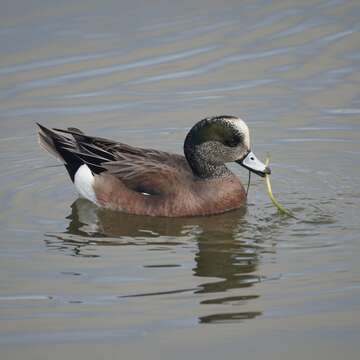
{"x": 224, "y": 257}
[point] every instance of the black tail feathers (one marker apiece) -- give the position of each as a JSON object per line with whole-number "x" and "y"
{"x": 73, "y": 151}
{"x": 61, "y": 147}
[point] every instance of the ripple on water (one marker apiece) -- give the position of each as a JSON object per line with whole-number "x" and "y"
{"x": 291, "y": 71}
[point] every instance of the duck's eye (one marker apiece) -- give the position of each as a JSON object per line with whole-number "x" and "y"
{"x": 233, "y": 141}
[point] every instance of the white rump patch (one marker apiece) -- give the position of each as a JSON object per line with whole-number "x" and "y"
{"x": 84, "y": 181}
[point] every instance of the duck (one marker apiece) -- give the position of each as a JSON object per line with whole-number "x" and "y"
{"x": 140, "y": 181}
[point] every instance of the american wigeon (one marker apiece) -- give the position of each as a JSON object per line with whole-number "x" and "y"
{"x": 156, "y": 183}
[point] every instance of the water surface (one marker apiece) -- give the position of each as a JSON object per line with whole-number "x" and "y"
{"x": 77, "y": 281}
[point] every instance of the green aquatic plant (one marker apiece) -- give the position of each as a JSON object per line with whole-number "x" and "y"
{"x": 280, "y": 208}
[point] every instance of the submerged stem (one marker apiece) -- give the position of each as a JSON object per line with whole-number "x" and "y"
{"x": 248, "y": 185}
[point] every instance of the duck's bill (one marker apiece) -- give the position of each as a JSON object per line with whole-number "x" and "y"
{"x": 252, "y": 163}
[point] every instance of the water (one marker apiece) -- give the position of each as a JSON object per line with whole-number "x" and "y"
{"x": 81, "y": 282}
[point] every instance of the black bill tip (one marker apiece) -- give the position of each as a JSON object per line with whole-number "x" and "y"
{"x": 267, "y": 171}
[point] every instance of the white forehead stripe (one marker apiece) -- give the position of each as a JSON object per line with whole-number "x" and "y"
{"x": 243, "y": 129}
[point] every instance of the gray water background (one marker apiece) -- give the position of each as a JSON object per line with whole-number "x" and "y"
{"x": 77, "y": 282}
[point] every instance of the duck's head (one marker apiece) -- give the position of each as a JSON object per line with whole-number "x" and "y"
{"x": 215, "y": 141}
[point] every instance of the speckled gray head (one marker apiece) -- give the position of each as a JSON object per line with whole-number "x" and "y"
{"x": 214, "y": 141}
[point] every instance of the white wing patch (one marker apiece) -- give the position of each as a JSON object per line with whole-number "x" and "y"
{"x": 84, "y": 181}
